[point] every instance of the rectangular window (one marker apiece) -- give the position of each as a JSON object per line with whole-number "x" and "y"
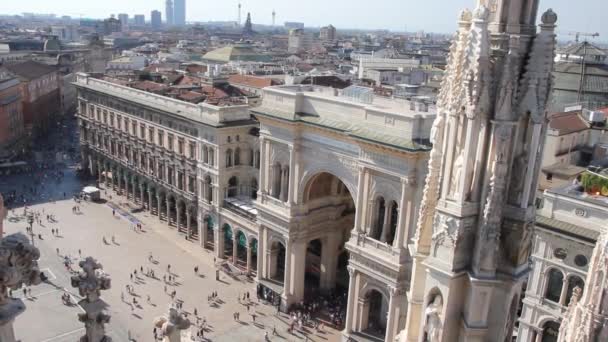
{"x": 170, "y": 142}
{"x": 134, "y": 128}
{"x": 105, "y": 117}
{"x": 180, "y": 146}
{"x": 119, "y": 122}
{"x": 192, "y": 149}
{"x": 151, "y": 134}
{"x": 142, "y": 131}
{"x": 111, "y": 119}
{"x": 126, "y": 125}
{"x": 161, "y": 138}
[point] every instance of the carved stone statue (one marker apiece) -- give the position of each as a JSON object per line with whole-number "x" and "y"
{"x": 90, "y": 281}
{"x": 518, "y": 176}
{"x": 456, "y": 175}
{"x": 172, "y": 325}
{"x": 433, "y": 326}
{"x": 437, "y": 131}
{"x": 18, "y": 267}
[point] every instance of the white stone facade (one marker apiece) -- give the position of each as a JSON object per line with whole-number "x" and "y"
{"x": 474, "y": 232}
{"x": 567, "y": 227}
{"x": 319, "y": 169}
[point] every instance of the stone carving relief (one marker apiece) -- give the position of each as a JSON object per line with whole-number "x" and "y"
{"x": 433, "y": 325}
{"x": 90, "y": 281}
{"x": 172, "y": 325}
{"x": 18, "y": 267}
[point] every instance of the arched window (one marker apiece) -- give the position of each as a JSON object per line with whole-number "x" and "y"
{"x": 237, "y": 156}
{"x": 251, "y": 157}
{"x": 229, "y": 158}
{"x": 276, "y": 180}
{"x": 555, "y": 282}
{"x": 379, "y": 218}
{"x": 233, "y": 184}
{"x": 254, "y": 188}
{"x": 211, "y": 156}
{"x": 205, "y": 155}
{"x": 550, "y": 332}
{"x": 393, "y": 223}
{"x": 208, "y": 190}
{"x": 573, "y": 282}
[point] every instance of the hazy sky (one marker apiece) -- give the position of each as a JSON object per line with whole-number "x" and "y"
{"x": 430, "y": 15}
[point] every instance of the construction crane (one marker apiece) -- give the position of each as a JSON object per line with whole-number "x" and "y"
{"x": 577, "y": 35}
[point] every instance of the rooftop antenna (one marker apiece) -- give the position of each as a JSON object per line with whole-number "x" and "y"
{"x": 239, "y": 14}
{"x": 274, "y": 14}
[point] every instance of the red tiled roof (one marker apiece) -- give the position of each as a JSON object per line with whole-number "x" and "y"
{"x": 214, "y": 92}
{"x": 251, "y": 81}
{"x": 188, "y": 80}
{"x": 195, "y": 68}
{"x": 567, "y": 123}
{"x": 149, "y": 86}
{"x": 604, "y": 110}
{"x": 191, "y": 96}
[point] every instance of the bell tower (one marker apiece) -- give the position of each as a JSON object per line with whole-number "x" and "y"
{"x": 474, "y": 231}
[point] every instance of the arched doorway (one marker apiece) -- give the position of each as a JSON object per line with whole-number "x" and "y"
{"x": 172, "y": 210}
{"x": 277, "y": 262}
{"x": 241, "y": 250}
{"x": 209, "y": 231}
{"x": 550, "y": 332}
{"x": 325, "y": 258}
{"x": 253, "y": 246}
{"x": 228, "y": 235}
{"x": 312, "y": 275}
{"x": 233, "y": 184}
{"x": 377, "y": 306}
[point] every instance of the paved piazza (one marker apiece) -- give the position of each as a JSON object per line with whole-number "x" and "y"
{"x": 48, "y": 319}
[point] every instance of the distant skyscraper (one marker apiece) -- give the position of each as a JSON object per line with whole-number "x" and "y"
{"x": 124, "y": 20}
{"x": 274, "y": 14}
{"x": 139, "y": 19}
{"x": 155, "y": 19}
{"x": 169, "y": 12}
{"x": 179, "y": 12}
{"x": 327, "y": 33}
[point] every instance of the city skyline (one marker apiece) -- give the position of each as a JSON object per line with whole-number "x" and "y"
{"x": 389, "y": 14}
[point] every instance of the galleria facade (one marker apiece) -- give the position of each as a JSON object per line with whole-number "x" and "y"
{"x": 315, "y": 191}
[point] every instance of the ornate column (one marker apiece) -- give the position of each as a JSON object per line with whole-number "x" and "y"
{"x": 172, "y": 325}
{"x": 391, "y": 316}
{"x": 202, "y": 230}
{"x": 564, "y": 293}
{"x": 133, "y": 190}
{"x": 89, "y": 283}
{"x": 385, "y": 225}
{"x": 291, "y": 175}
{"x": 234, "y": 248}
{"x": 284, "y": 184}
{"x": 150, "y": 200}
{"x": 288, "y": 271}
{"x": 178, "y": 214}
{"x": 359, "y": 204}
{"x": 248, "y": 259}
{"x": 18, "y": 268}
{"x": 188, "y": 223}
{"x": 350, "y": 301}
{"x": 405, "y": 212}
{"x": 168, "y": 211}
{"x": 219, "y": 242}
{"x": 158, "y": 206}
